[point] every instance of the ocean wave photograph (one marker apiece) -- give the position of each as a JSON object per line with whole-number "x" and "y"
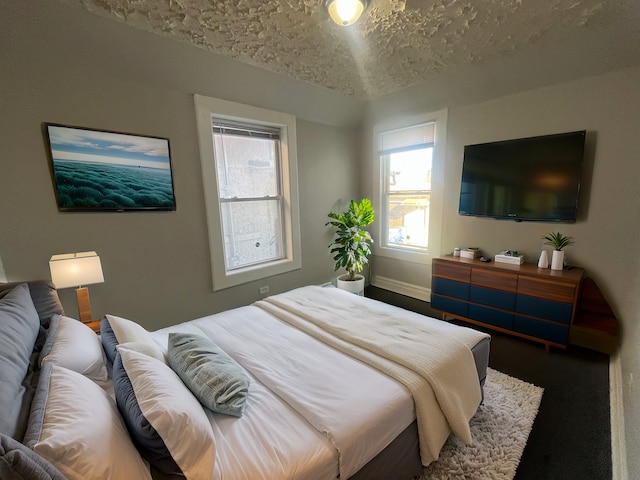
{"x": 110, "y": 171}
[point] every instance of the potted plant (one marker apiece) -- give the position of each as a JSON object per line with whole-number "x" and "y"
{"x": 351, "y": 246}
{"x": 558, "y": 241}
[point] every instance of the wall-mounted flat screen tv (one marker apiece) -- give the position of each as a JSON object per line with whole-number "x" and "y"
{"x": 528, "y": 179}
{"x": 97, "y": 170}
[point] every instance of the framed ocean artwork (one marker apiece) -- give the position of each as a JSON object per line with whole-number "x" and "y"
{"x": 99, "y": 170}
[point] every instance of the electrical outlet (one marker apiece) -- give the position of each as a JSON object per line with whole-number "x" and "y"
{"x": 264, "y": 289}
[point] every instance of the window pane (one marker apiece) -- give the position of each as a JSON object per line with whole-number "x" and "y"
{"x": 410, "y": 170}
{"x": 252, "y": 232}
{"x": 408, "y": 217}
{"x": 246, "y": 167}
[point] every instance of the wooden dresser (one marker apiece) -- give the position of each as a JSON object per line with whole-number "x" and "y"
{"x": 535, "y": 303}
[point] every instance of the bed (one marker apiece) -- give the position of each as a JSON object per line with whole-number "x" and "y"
{"x": 315, "y": 383}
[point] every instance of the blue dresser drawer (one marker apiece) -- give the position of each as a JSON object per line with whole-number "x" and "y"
{"x": 491, "y": 297}
{"x": 491, "y": 316}
{"x": 450, "y": 288}
{"x": 538, "y": 307}
{"x": 449, "y": 305}
{"x": 540, "y": 329}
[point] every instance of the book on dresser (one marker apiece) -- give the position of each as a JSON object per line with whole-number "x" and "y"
{"x": 523, "y": 300}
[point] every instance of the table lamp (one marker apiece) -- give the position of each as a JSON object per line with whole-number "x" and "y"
{"x": 77, "y": 270}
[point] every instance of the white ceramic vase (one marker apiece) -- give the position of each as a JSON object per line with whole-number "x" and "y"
{"x": 354, "y": 286}
{"x": 557, "y": 260}
{"x": 543, "y": 262}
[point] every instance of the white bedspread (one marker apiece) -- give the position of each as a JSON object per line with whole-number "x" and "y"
{"x": 437, "y": 355}
{"x": 314, "y": 411}
{"x": 309, "y": 418}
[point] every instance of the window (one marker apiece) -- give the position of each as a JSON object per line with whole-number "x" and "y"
{"x": 407, "y": 157}
{"x": 249, "y": 168}
{"x": 247, "y": 160}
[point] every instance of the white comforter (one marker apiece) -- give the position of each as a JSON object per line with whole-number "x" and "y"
{"x": 436, "y": 356}
{"x": 312, "y": 411}
{"x": 304, "y": 418}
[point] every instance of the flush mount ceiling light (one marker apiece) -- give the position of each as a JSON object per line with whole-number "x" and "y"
{"x": 345, "y": 12}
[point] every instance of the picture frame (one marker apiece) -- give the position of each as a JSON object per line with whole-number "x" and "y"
{"x": 102, "y": 170}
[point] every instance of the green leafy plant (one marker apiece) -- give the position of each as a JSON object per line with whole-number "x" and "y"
{"x": 557, "y": 240}
{"x": 352, "y": 243}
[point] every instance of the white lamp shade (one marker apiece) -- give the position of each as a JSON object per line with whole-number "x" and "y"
{"x": 345, "y": 12}
{"x": 75, "y": 269}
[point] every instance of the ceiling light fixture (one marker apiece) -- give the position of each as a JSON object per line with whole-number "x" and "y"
{"x": 346, "y": 12}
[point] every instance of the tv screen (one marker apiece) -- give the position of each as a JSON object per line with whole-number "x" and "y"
{"x": 97, "y": 170}
{"x": 528, "y": 179}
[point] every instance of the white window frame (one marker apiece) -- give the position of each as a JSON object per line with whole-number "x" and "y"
{"x": 408, "y": 253}
{"x": 207, "y": 108}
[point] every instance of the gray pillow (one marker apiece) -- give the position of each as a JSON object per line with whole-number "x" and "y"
{"x": 18, "y": 462}
{"x": 212, "y": 376}
{"x": 44, "y": 296}
{"x": 19, "y": 327}
{"x": 109, "y": 340}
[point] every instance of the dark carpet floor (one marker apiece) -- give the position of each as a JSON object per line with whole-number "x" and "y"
{"x": 571, "y": 436}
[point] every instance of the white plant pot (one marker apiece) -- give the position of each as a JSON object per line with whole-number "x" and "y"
{"x": 557, "y": 260}
{"x": 354, "y": 286}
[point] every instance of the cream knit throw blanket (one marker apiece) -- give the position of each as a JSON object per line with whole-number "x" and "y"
{"x": 425, "y": 353}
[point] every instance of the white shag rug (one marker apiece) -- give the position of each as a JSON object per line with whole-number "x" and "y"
{"x": 500, "y": 429}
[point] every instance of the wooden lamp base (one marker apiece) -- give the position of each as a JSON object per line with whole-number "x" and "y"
{"x": 84, "y": 304}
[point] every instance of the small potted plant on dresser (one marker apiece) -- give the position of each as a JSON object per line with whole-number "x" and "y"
{"x": 558, "y": 241}
{"x": 351, "y": 245}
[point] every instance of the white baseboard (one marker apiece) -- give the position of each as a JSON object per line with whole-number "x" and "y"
{"x": 618, "y": 441}
{"x": 408, "y": 289}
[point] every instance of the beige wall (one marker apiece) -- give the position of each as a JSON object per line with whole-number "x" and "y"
{"x": 607, "y": 233}
{"x": 60, "y": 64}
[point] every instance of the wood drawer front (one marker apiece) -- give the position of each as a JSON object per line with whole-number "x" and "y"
{"x": 452, "y": 271}
{"x": 499, "y": 280}
{"x": 546, "y": 288}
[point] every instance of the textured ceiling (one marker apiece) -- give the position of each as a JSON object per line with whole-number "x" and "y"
{"x": 396, "y": 43}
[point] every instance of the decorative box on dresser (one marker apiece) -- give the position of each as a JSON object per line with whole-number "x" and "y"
{"x": 523, "y": 300}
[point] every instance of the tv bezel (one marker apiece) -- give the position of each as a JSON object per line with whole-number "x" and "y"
{"x": 116, "y": 134}
{"x": 515, "y": 217}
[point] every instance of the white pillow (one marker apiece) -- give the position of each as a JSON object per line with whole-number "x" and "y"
{"x": 117, "y": 330}
{"x": 76, "y": 426}
{"x": 148, "y": 348}
{"x": 75, "y": 346}
{"x": 173, "y": 412}
{"x": 127, "y": 330}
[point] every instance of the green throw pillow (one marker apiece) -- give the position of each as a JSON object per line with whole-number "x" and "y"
{"x": 212, "y": 376}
